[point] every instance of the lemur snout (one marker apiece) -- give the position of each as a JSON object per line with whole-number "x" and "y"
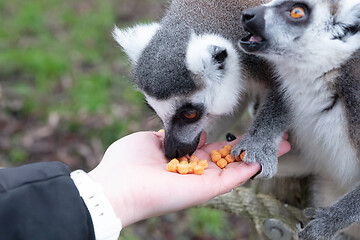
{"x": 247, "y": 15}
{"x": 254, "y": 22}
{"x": 175, "y": 149}
{"x": 253, "y": 17}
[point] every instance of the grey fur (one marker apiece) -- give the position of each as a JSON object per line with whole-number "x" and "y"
{"x": 161, "y": 71}
{"x": 261, "y": 142}
{"x": 328, "y": 221}
{"x": 341, "y": 90}
{"x": 348, "y": 89}
{"x": 158, "y": 73}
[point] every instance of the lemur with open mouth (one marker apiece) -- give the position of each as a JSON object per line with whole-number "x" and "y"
{"x": 314, "y": 47}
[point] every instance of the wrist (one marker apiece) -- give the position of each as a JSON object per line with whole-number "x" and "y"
{"x": 118, "y": 196}
{"x": 106, "y": 224}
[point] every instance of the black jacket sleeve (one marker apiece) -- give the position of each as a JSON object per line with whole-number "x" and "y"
{"x": 40, "y": 201}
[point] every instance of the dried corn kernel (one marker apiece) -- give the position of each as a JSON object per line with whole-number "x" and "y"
{"x": 221, "y": 163}
{"x": 230, "y": 158}
{"x": 215, "y": 156}
{"x": 228, "y": 147}
{"x": 224, "y": 152}
{"x": 183, "y": 167}
{"x": 194, "y": 158}
{"x": 198, "y": 169}
{"x": 171, "y": 167}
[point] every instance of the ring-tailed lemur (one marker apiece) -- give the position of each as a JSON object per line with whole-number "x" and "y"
{"x": 190, "y": 69}
{"x": 314, "y": 46}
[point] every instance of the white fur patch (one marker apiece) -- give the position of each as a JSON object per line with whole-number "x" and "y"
{"x": 134, "y": 40}
{"x": 349, "y": 11}
{"x": 218, "y": 88}
{"x": 165, "y": 109}
{"x": 222, "y": 86}
{"x": 322, "y": 136}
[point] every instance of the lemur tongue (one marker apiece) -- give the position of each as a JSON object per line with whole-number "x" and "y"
{"x": 254, "y": 38}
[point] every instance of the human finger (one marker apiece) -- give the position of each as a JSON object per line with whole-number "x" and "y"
{"x": 216, "y": 181}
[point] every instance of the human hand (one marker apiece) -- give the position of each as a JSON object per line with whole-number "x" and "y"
{"x": 134, "y": 177}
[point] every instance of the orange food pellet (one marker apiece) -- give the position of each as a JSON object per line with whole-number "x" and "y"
{"x": 194, "y": 158}
{"x": 242, "y": 155}
{"x": 183, "y": 159}
{"x": 221, "y": 163}
{"x": 182, "y": 167}
{"x": 203, "y": 163}
{"x": 215, "y": 156}
{"x": 230, "y": 158}
{"x": 192, "y": 166}
{"x": 214, "y": 152}
{"x": 228, "y": 147}
{"x": 198, "y": 169}
{"x": 224, "y": 152}
{"x": 171, "y": 167}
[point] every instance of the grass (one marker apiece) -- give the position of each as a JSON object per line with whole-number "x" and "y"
{"x": 210, "y": 221}
{"x": 47, "y": 44}
{"x": 59, "y": 55}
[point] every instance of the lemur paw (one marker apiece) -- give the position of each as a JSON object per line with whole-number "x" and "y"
{"x": 259, "y": 151}
{"x": 324, "y": 225}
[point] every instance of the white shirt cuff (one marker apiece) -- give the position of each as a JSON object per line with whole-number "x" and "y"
{"x": 107, "y": 225}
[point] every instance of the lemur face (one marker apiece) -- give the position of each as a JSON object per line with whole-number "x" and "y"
{"x": 303, "y": 31}
{"x": 188, "y": 80}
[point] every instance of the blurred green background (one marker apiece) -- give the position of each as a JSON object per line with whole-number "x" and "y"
{"x": 66, "y": 95}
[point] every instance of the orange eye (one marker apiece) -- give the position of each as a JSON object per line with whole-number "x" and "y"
{"x": 190, "y": 115}
{"x": 297, "y": 12}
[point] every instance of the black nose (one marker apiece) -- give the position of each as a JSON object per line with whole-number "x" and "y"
{"x": 247, "y": 15}
{"x": 253, "y": 16}
{"x": 175, "y": 149}
{"x": 253, "y": 20}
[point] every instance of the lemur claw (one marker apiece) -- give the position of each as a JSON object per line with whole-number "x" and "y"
{"x": 323, "y": 226}
{"x": 262, "y": 152}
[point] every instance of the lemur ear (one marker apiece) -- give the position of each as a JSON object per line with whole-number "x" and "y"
{"x": 219, "y": 55}
{"x": 134, "y": 40}
{"x": 208, "y": 55}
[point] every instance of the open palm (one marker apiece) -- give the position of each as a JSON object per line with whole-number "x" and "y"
{"x": 139, "y": 186}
